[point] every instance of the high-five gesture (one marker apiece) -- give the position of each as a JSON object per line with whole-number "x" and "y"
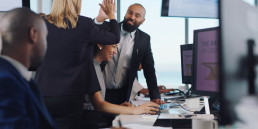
{"x": 107, "y": 10}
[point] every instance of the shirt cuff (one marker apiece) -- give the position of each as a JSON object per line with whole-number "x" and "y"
{"x": 96, "y": 22}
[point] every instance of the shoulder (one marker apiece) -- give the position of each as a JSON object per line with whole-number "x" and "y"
{"x": 10, "y": 83}
{"x": 142, "y": 33}
{"x": 85, "y": 19}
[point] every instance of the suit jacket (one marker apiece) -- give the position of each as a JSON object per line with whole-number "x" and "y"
{"x": 142, "y": 54}
{"x": 67, "y": 68}
{"x": 21, "y": 104}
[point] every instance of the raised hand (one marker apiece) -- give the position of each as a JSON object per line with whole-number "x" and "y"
{"x": 108, "y": 9}
{"x": 102, "y": 16}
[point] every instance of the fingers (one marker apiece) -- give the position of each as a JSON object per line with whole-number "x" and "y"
{"x": 158, "y": 101}
{"x": 102, "y": 6}
{"x": 151, "y": 110}
{"x": 162, "y": 87}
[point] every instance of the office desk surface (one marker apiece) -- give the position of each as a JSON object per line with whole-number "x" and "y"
{"x": 149, "y": 120}
{"x": 135, "y": 119}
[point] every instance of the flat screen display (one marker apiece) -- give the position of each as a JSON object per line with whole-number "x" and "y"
{"x": 207, "y": 62}
{"x": 205, "y": 69}
{"x": 186, "y": 62}
{"x": 190, "y": 8}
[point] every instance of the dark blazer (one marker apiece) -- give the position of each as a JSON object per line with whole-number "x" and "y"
{"x": 21, "y": 105}
{"x": 67, "y": 68}
{"x": 142, "y": 54}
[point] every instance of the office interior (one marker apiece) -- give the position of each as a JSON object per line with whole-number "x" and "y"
{"x": 168, "y": 33}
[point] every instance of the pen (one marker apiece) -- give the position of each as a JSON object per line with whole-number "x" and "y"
{"x": 137, "y": 51}
{"x": 119, "y": 122}
{"x": 186, "y": 116}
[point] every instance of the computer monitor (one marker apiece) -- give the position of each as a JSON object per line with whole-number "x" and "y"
{"x": 239, "y": 24}
{"x": 190, "y": 8}
{"x": 205, "y": 62}
{"x": 186, "y": 62}
{"x": 11, "y": 4}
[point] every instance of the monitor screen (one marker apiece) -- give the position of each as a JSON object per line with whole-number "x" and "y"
{"x": 233, "y": 54}
{"x": 186, "y": 62}
{"x": 205, "y": 64}
{"x": 190, "y": 8}
{"x": 11, "y": 4}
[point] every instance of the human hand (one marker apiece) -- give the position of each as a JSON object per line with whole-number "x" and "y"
{"x": 165, "y": 90}
{"x": 127, "y": 104}
{"x": 102, "y": 16}
{"x": 108, "y": 9}
{"x": 147, "y": 108}
{"x": 161, "y": 87}
{"x": 158, "y": 101}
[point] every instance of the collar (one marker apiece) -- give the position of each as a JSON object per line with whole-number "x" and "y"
{"x": 124, "y": 32}
{"x": 21, "y": 68}
{"x": 96, "y": 62}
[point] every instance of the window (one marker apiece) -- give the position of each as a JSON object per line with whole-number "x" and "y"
{"x": 167, "y": 33}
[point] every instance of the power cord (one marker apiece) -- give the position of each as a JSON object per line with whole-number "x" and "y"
{"x": 183, "y": 107}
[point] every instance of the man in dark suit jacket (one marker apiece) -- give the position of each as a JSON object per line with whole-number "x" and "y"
{"x": 137, "y": 51}
{"x": 24, "y": 44}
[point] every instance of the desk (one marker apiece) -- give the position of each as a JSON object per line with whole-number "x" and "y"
{"x": 149, "y": 120}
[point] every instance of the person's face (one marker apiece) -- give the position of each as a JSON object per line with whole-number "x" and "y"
{"x": 40, "y": 47}
{"x": 108, "y": 51}
{"x": 134, "y": 18}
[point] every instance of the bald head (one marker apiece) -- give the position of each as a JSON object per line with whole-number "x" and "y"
{"x": 23, "y": 34}
{"x": 143, "y": 11}
{"x": 15, "y": 26}
{"x": 134, "y": 17}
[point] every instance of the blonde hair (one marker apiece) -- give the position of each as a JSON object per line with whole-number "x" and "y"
{"x": 63, "y": 12}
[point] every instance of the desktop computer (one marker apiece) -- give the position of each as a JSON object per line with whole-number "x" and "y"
{"x": 186, "y": 51}
{"x": 205, "y": 81}
{"x": 204, "y": 73}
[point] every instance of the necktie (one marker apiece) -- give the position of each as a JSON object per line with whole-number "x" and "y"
{"x": 119, "y": 69}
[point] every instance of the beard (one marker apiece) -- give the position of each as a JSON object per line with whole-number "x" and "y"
{"x": 130, "y": 28}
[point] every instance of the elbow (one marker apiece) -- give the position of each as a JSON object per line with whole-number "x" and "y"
{"x": 117, "y": 40}
{"x": 99, "y": 107}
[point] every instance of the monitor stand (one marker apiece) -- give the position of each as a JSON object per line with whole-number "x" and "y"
{"x": 214, "y": 106}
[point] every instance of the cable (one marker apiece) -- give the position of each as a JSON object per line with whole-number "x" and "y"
{"x": 181, "y": 92}
{"x": 183, "y": 107}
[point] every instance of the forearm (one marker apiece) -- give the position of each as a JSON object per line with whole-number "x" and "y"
{"x": 107, "y": 107}
{"x": 104, "y": 106}
{"x": 144, "y": 91}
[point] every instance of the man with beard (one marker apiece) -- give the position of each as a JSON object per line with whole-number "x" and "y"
{"x": 134, "y": 49}
{"x": 23, "y": 35}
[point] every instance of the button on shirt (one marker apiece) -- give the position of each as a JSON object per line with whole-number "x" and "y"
{"x": 111, "y": 67}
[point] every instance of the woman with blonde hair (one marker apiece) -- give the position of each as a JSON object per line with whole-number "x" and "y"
{"x": 67, "y": 71}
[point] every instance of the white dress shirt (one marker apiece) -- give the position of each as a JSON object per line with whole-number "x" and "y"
{"x": 100, "y": 78}
{"x": 21, "y": 68}
{"x": 136, "y": 88}
{"x": 111, "y": 67}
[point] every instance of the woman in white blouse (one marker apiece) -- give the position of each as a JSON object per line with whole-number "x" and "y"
{"x": 106, "y": 53}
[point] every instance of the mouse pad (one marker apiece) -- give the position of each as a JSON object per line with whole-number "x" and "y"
{"x": 175, "y": 123}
